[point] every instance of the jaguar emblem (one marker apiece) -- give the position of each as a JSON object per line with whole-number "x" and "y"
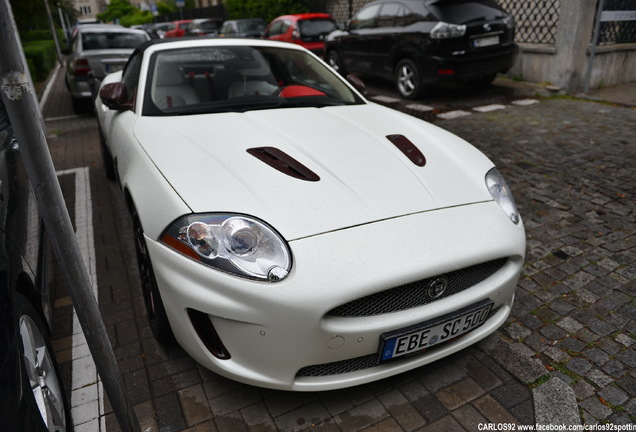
{"x": 437, "y": 287}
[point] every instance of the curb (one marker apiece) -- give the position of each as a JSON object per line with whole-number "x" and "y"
{"x": 554, "y": 401}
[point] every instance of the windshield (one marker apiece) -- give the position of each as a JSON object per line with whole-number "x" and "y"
{"x": 111, "y": 40}
{"x": 238, "y": 79}
{"x": 316, "y": 27}
{"x": 251, "y": 26}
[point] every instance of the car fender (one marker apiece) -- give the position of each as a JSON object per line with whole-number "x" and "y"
{"x": 154, "y": 198}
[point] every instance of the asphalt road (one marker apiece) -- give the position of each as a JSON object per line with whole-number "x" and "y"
{"x": 566, "y": 356}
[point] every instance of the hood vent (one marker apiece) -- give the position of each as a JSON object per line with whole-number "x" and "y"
{"x": 408, "y": 148}
{"x": 283, "y": 162}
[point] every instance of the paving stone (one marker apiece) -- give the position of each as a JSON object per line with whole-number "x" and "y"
{"x": 613, "y": 395}
{"x": 469, "y": 418}
{"x": 596, "y": 408}
{"x": 362, "y": 416}
{"x": 579, "y": 365}
{"x": 459, "y": 393}
{"x": 194, "y": 405}
{"x": 402, "y": 411}
{"x": 599, "y": 378}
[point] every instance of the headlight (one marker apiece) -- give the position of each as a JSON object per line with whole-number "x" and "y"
{"x": 237, "y": 244}
{"x": 501, "y": 193}
{"x": 444, "y": 30}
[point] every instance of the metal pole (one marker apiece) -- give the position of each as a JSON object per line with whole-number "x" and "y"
{"x": 18, "y": 96}
{"x": 53, "y": 33}
{"x": 590, "y": 60}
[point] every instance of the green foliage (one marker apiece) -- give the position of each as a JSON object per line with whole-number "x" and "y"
{"x": 165, "y": 7}
{"x": 41, "y": 58}
{"x": 267, "y": 9}
{"x": 117, "y": 9}
{"x": 31, "y": 14}
{"x": 137, "y": 18}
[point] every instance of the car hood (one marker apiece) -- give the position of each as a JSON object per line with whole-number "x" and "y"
{"x": 363, "y": 176}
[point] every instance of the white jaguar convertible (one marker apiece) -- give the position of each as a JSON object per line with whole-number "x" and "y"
{"x": 292, "y": 235}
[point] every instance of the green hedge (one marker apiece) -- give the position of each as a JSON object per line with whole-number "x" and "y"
{"x": 41, "y": 58}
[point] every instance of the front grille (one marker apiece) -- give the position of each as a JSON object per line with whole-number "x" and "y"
{"x": 363, "y": 362}
{"x": 416, "y": 294}
{"x": 339, "y": 367}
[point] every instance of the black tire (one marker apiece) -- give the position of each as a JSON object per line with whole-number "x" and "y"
{"x": 40, "y": 370}
{"x": 408, "y": 79}
{"x": 155, "y": 310}
{"x": 107, "y": 158}
{"x": 335, "y": 61}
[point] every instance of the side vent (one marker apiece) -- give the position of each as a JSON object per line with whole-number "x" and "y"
{"x": 284, "y": 163}
{"x": 408, "y": 148}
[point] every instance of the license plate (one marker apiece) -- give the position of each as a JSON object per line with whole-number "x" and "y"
{"x": 433, "y": 332}
{"x": 110, "y": 68}
{"x": 486, "y": 41}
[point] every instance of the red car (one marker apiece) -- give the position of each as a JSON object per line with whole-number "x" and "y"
{"x": 308, "y": 30}
{"x": 178, "y": 28}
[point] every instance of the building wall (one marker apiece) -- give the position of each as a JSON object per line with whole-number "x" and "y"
{"x": 88, "y": 9}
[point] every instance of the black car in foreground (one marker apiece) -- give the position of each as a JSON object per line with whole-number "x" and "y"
{"x": 419, "y": 42}
{"x": 31, "y": 394}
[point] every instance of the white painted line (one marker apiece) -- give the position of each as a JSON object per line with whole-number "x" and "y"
{"x": 49, "y": 85}
{"x": 489, "y": 108}
{"x": 419, "y": 107}
{"x": 87, "y": 396}
{"x": 68, "y": 117}
{"x": 524, "y": 102}
{"x": 453, "y": 114}
{"x": 385, "y": 99}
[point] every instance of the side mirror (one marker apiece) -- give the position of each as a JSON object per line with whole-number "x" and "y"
{"x": 357, "y": 83}
{"x": 114, "y": 96}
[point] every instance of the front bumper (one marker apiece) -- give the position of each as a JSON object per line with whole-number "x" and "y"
{"x": 274, "y": 330}
{"x": 469, "y": 65}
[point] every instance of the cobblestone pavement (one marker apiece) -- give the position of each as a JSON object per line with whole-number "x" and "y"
{"x": 571, "y": 339}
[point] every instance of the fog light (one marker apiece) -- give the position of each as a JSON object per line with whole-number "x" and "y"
{"x": 208, "y": 335}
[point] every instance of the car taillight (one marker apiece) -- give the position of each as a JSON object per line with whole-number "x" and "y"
{"x": 81, "y": 67}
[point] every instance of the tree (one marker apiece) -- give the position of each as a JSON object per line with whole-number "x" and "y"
{"x": 267, "y": 9}
{"x": 31, "y": 14}
{"x": 116, "y": 10}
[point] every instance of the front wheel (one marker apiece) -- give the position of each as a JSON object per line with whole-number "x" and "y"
{"x": 157, "y": 317}
{"x": 41, "y": 369}
{"x": 408, "y": 79}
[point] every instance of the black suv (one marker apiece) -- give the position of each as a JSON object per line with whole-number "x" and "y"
{"x": 419, "y": 42}
{"x": 31, "y": 393}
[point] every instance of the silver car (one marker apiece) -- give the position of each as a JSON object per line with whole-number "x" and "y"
{"x": 96, "y": 51}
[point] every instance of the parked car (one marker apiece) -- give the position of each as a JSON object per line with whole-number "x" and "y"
{"x": 177, "y": 28}
{"x": 204, "y": 27}
{"x": 243, "y": 28}
{"x": 32, "y": 396}
{"x": 308, "y": 30}
{"x": 416, "y": 43}
{"x": 293, "y": 235}
{"x": 157, "y": 30}
{"x": 96, "y": 51}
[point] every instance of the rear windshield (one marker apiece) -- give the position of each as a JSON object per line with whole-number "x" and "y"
{"x": 251, "y": 26}
{"x": 464, "y": 11}
{"x": 111, "y": 40}
{"x": 209, "y": 25}
{"x": 316, "y": 27}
